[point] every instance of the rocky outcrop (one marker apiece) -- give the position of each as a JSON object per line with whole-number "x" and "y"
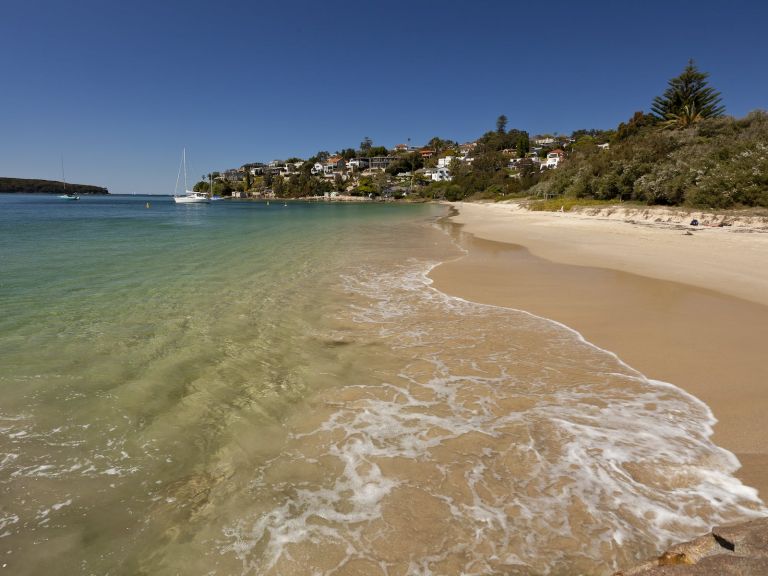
{"x": 736, "y": 550}
{"x": 737, "y": 220}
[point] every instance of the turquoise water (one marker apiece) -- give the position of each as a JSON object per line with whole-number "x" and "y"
{"x": 243, "y": 388}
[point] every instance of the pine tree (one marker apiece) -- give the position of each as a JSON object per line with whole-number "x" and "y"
{"x": 688, "y": 99}
{"x": 501, "y": 124}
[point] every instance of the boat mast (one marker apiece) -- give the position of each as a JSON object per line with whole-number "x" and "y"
{"x": 63, "y": 179}
{"x": 184, "y": 160}
{"x": 178, "y": 177}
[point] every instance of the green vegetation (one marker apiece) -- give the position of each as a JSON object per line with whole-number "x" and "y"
{"x": 685, "y": 152}
{"x": 687, "y": 100}
{"x": 715, "y": 163}
{"x": 489, "y": 176}
{"x": 565, "y": 204}
{"x": 32, "y": 186}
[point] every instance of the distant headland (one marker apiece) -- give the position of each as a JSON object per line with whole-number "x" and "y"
{"x": 31, "y": 186}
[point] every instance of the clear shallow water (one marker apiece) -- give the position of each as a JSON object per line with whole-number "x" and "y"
{"x": 242, "y": 388}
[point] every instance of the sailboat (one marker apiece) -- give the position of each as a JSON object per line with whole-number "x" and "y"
{"x": 66, "y": 195}
{"x": 189, "y": 197}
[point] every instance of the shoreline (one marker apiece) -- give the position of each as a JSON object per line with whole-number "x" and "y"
{"x": 691, "y": 314}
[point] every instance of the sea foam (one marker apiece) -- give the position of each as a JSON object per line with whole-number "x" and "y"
{"x": 525, "y": 443}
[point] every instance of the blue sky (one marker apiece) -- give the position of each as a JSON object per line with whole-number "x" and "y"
{"x": 119, "y": 87}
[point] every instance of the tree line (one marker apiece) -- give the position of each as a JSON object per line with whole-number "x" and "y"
{"x": 34, "y": 186}
{"x": 684, "y": 151}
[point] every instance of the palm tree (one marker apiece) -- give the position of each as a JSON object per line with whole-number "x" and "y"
{"x": 687, "y": 100}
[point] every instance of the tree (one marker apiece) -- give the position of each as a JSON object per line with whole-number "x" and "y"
{"x": 377, "y": 151}
{"x": 688, "y": 99}
{"x": 438, "y": 144}
{"x": 366, "y": 145}
{"x": 501, "y": 124}
{"x": 522, "y": 145}
{"x": 637, "y": 123}
{"x": 381, "y": 181}
{"x": 406, "y": 163}
{"x": 585, "y": 144}
{"x": 321, "y": 156}
{"x": 278, "y": 186}
{"x": 338, "y": 182}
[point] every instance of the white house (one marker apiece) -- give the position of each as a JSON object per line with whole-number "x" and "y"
{"x": 441, "y": 175}
{"x": 444, "y": 162}
{"x": 359, "y": 163}
{"x": 553, "y": 159}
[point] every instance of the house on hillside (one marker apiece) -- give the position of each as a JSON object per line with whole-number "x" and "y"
{"x": 317, "y": 168}
{"x": 444, "y": 162}
{"x": 233, "y": 175}
{"x": 380, "y": 162}
{"x": 334, "y": 164}
{"x": 255, "y": 168}
{"x": 441, "y": 175}
{"x": 359, "y": 163}
{"x": 553, "y": 159}
{"x": 426, "y": 153}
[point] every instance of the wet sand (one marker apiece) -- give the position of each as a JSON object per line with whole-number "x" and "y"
{"x": 639, "y": 292}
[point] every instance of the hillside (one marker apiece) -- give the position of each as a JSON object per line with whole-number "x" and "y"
{"x": 31, "y": 186}
{"x": 715, "y": 163}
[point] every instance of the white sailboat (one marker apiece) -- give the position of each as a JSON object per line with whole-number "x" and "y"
{"x": 66, "y": 195}
{"x": 189, "y": 197}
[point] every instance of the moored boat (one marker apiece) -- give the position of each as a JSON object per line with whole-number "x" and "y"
{"x": 189, "y": 196}
{"x": 66, "y": 195}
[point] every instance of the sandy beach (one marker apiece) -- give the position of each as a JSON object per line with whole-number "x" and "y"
{"x": 680, "y": 304}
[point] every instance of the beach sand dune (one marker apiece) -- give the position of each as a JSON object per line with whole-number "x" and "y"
{"x": 689, "y": 309}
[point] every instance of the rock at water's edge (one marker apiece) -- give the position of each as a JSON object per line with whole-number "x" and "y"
{"x": 735, "y": 550}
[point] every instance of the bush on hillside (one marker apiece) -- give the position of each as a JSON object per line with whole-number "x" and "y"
{"x": 718, "y": 163}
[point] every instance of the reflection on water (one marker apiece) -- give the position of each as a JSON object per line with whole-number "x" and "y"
{"x": 291, "y": 397}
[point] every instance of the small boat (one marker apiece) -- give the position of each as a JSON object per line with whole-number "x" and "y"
{"x": 192, "y": 198}
{"x": 189, "y": 197}
{"x": 66, "y": 195}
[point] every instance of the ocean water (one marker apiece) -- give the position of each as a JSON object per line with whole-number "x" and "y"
{"x": 243, "y": 388}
